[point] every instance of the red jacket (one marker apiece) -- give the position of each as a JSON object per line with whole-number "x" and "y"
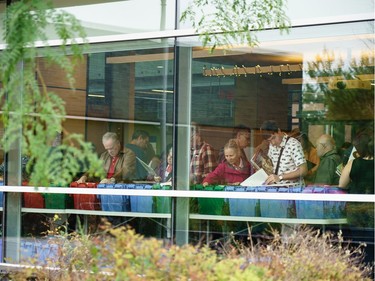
{"x": 225, "y": 173}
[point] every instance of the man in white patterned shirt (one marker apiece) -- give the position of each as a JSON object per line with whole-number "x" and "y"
{"x": 286, "y": 153}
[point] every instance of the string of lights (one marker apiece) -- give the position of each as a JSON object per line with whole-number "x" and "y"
{"x": 260, "y": 70}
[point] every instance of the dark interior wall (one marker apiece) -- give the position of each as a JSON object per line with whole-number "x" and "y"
{"x": 259, "y": 98}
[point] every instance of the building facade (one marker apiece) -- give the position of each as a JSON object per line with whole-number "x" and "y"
{"x": 146, "y": 70}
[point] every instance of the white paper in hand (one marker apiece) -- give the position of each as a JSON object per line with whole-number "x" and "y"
{"x": 256, "y": 179}
{"x": 147, "y": 167}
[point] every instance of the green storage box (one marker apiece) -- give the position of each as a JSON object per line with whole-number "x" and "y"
{"x": 162, "y": 204}
{"x": 211, "y": 206}
{"x": 58, "y": 201}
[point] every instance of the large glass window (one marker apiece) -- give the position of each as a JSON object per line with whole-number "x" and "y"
{"x": 124, "y": 17}
{"x": 129, "y": 93}
{"x": 294, "y": 111}
{"x": 314, "y": 86}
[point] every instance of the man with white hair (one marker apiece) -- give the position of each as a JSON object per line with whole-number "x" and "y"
{"x": 118, "y": 164}
{"x": 329, "y": 160}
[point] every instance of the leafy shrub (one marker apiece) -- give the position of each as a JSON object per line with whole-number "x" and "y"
{"x": 121, "y": 254}
{"x": 306, "y": 254}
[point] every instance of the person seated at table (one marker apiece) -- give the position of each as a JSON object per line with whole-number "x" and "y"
{"x": 233, "y": 170}
{"x": 159, "y": 160}
{"x": 118, "y": 164}
{"x": 164, "y": 171}
{"x": 138, "y": 145}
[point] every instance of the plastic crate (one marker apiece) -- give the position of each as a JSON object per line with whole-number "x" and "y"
{"x": 243, "y": 207}
{"x": 85, "y": 201}
{"x": 28, "y": 249}
{"x": 211, "y": 206}
{"x": 162, "y": 205}
{"x": 140, "y": 204}
{"x": 115, "y": 203}
{"x": 40, "y": 249}
{"x": 321, "y": 209}
{"x": 276, "y": 208}
{"x": 47, "y": 251}
{"x": 32, "y": 200}
{"x": 58, "y": 201}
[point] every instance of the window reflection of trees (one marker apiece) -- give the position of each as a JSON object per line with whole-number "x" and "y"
{"x": 345, "y": 90}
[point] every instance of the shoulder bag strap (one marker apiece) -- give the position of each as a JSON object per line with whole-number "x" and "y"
{"x": 278, "y": 160}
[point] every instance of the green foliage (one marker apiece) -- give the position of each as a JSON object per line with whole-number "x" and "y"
{"x": 227, "y": 22}
{"x": 121, "y": 254}
{"x": 308, "y": 254}
{"x": 29, "y": 108}
{"x": 341, "y": 103}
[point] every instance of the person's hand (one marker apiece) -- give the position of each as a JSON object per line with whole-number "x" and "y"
{"x": 157, "y": 178}
{"x": 104, "y": 181}
{"x": 272, "y": 179}
{"x": 111, "y": 180}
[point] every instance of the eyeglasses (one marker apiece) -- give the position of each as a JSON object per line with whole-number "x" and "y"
{"x": 269, "y": 137}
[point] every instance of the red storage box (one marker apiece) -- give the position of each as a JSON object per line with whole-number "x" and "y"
{"x": 32, "y": 200}
{"x": 85, "y": 201}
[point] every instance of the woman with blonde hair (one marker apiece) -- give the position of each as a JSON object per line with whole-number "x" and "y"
{"x": 233, "y": 170}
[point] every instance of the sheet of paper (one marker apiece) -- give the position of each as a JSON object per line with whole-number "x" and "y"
{"x": 144, "y": 182}
{"x": 351, "y": 157}
{"x": 256, "y": 179}
{"x": 166, "y": 183}
{"x": 147, "y": 167}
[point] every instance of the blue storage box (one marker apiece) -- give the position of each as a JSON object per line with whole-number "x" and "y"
{"x": 116, "y": 203}
{"x": 40, "y": 249}
{"x": 295, "y": 189}
{"x": 141, "y": 204}
{"x": 243, "y": 207}
{"x": 335, "y": 209}
{"x": 47, "y": 251}
{"x": 321, "y": 209}
{"x": 276, "y": 208}
{"x": 28, "y": 250}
